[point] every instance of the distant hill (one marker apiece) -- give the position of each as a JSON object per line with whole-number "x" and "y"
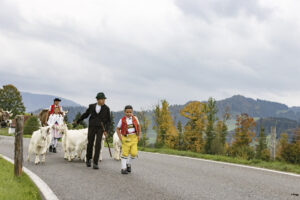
{"x": 255, "y": 108}
{"x": 266, "y": 113}
{"x": 34, "y": 102}
{"x": 283, "y": 125}
{"x": 258, "y": 108}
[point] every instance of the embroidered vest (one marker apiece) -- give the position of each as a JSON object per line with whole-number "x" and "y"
{"x": 124, "y": 126}
{"x": 52, "y": 109}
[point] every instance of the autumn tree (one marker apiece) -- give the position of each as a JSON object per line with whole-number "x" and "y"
{"x": 211, "y": 110}
{"x": 11, "y": 100}
{"x": 243, "y": 136}
{"x": 166, "y": 131}
{"x": 290, "y": 152}
{"x": 144, "y": 123}
{"x": 195, "y": 127}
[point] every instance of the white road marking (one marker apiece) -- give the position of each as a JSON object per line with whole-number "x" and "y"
{"x": 230, "y": 164}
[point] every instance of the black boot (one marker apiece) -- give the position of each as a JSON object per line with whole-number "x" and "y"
{"x": 50, "y": 148}
{"x": 95, "y": 166}
{"x": 88, "y": 163}
{"x": 128, "y": 168}
{"x": 124, "y": 171}
{"x": 54, "y": 150}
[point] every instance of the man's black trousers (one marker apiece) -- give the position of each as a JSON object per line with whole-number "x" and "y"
{"x": 92, "y": 133}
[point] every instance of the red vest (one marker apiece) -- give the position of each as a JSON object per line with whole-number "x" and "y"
{"x": 52, "y": 109}
{"x": 124, "y": 125}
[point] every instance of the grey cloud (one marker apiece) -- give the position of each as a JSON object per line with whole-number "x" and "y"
{"x": 224, "y": 8}
{"x": 202, "y": 61}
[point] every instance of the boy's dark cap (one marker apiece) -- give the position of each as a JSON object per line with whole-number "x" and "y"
{"x": 128, "y": 107}
{"x": 100, "y": 95}
{"x": 57, "y": 99}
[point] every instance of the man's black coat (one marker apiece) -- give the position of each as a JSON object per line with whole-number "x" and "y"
{"x": 95, "y": 129}
{"x": 96, "y": 118}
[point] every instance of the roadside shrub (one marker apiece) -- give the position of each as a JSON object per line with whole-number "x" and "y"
{"x": 31, "y": 125}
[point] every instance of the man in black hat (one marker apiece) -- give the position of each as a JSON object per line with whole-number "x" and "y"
{"x": 99, "y": 114}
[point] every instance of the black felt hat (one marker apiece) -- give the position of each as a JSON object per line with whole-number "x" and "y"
{"x": 100, "y": 95}
{"x": 57, "y": 99}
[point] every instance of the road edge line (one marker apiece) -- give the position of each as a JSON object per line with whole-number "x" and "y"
{"x": 43, "y": 187}
{"x": 230, "y": 164}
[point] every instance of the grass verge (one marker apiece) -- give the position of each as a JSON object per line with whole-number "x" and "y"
{"x": 4, "y": 131}
{"x": 275, "y": 165}
{"x": 16, "y": 188}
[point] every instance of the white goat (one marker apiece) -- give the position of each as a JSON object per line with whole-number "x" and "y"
{"x": 39, "y": 144}
{"x": 74, "y": 143}
{"x": 117, "y": 146}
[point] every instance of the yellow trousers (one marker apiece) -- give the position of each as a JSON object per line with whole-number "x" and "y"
{"x": 129, "y": 146}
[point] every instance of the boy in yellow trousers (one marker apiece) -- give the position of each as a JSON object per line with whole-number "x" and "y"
{"x": 129, "y": 131}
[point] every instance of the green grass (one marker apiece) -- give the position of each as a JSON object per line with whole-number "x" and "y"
{"x": 16, "y": 188}
{"x": 4, "y": 131}
{"x": 275, "y": 165}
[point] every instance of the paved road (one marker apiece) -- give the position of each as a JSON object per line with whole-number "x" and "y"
{"x": 157, "y": 177}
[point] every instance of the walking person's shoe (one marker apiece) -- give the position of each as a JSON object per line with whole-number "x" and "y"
{"x": 124, "y": 171}
{"x": 128, "y": 168}
{"x": 50, "y": 148}
{"x": 95, "y": 166}
{"x": 88, "y": 163}
{"x": 54, "y": 150}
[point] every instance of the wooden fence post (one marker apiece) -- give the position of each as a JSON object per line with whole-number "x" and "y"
{"x": 19, "y": 145}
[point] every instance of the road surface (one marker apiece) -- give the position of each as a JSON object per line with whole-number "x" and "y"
{"x": 158, "y": 177}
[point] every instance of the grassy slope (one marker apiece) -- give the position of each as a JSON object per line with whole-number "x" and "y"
{"x": 16, "y": 188}
{"x": 276, "y": 165}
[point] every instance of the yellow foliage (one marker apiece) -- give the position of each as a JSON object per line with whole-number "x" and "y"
{"x": 193, "y": 130}
{"x": 166, "y": 130}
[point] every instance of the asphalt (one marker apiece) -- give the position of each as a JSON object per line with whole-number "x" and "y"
{"x": 158, "y": 177}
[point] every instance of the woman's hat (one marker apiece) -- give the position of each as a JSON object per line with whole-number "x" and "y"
{"x": 100, "y": 95}
{"x": 57, "y": 99}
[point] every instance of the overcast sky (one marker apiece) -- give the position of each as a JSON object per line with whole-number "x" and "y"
{"x": 140, "y": 51}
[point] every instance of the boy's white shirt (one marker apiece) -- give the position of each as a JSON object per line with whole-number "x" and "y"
{"x": 129, "y": 121}
{"x": 55, "y": 118}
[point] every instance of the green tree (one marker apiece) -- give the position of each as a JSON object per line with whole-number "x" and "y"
{"x": 157, "y": 121}
{"x": 261, "y": 147}
{"x": 111, "y": 128}
{"x": 144, "y": 123}
{"x": 66, "y": 120}
{"x": 32, "y": 124}
{"x": 180, "y": 145}
{"x": 82, "y": 124}
{"x": 211, "y": 110}
{"x": 11, "y": 100}
{"x": 218, "y": 143}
